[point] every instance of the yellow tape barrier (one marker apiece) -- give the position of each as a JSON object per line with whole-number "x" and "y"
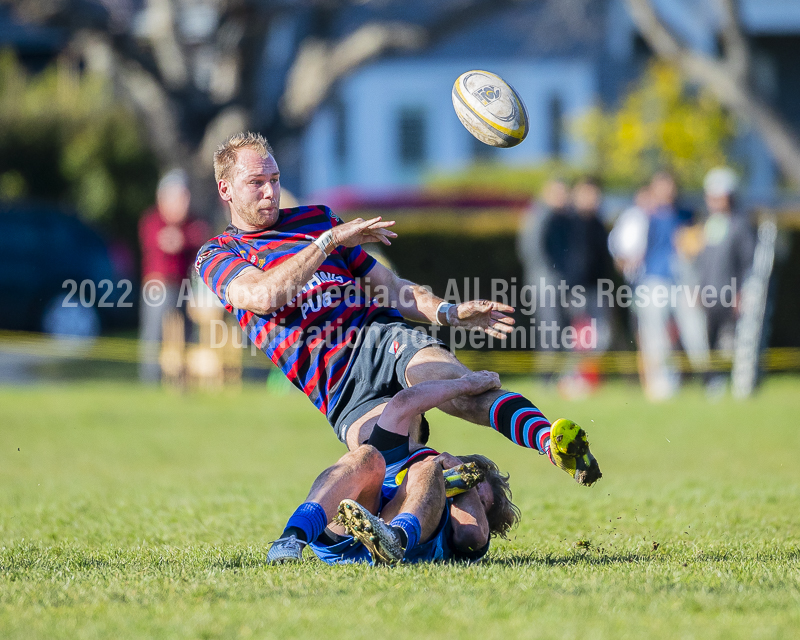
{"x": 504, "y": 361}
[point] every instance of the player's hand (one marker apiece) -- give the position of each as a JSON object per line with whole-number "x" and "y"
{"x": 482, "y": 314}
{"x": 481, "y": 381}
{"x": 447, "y": 460}
{"x": 360, "y": 231}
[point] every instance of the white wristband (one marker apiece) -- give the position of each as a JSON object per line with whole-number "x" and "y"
{"x": 443, "y": 306}
{"x": 325, "y": 242}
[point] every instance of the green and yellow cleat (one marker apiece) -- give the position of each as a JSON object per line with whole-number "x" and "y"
{"x": 462, "y": 478}
{"x": 569, "y": 448}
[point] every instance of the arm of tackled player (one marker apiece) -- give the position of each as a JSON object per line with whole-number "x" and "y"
{"x": 263, "y": 292}
{"x": 470, "y": 525}
{"x": 413, "y": 301}
{"x": 407, "y": 404}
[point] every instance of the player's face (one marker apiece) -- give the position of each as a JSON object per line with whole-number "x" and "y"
{"x": 254, "y": 193}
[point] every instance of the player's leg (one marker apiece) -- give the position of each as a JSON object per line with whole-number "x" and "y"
{"x": 513, "y": 415}
{"x": 422, "y": 495}
{"x": 413, "y": 515}
{"x": 510, "y": 413}
{"x": 357, "y": 475}
{"x": 437, "y": 363}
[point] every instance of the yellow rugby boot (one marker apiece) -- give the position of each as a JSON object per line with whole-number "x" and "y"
{"x": 569, "y": 448}
{"x": 462, "y": 478}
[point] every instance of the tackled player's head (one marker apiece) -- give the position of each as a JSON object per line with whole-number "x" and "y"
{"x": 503, "y": 515}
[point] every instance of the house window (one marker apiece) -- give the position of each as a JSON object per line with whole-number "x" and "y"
{"x": 412, "y": 135}
{"x": 555, "y": 116}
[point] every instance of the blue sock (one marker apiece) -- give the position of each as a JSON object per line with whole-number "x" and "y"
{"x": 307, "y": 522}
{"x": 409, "y": 524}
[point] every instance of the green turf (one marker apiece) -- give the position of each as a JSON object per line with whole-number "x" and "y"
{"x": 127, "y": 512}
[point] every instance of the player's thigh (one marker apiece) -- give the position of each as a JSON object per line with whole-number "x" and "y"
{"x": 434, "y": 363}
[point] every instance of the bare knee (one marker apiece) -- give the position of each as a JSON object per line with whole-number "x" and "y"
{"x": 367, "y": 459}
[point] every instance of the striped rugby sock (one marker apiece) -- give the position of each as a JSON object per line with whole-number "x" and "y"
{"x": 520, "y": 421}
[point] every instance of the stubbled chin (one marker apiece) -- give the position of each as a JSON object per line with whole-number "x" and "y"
{"x": 262, "y": 218}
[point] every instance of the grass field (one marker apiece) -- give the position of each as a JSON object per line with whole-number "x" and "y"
{"x": 128, "y": 512}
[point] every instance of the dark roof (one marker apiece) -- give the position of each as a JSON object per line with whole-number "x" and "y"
{"x": 531, "y": 28}
{"x": 26, "y": 38}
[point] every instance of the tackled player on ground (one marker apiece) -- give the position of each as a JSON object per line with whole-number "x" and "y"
{"x": 387, "y": 501}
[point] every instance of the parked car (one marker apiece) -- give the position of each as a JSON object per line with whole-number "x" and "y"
{"x": 56, "y": 274}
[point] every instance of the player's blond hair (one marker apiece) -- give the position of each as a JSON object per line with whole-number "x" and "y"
{"x": 504, "y": 514}
{"x": 227, "y": 153}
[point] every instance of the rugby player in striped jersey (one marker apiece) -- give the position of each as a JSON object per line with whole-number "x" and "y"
{"x": 301, "y": 287}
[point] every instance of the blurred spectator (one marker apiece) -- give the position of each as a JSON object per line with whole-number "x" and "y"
{"x": 664, "y": 266}
{"x": 627, "y": 241}
{"x": 585, "y": 262}
{"x": 170, "y": 238}
{"x": 541, "y": 245}
{"x": 729, "y": 241}
{"x": 587, "y": 257}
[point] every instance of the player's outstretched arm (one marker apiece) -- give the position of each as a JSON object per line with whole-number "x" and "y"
{"x": 263, "y": 292}
{"x": 401, "y": 410}
{"x": 416, "y": 302}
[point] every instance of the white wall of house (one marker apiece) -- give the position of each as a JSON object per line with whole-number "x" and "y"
{"x": 372, "y": 105}
{"x": 771, "y": 16}
{"x": 356, "y": 140}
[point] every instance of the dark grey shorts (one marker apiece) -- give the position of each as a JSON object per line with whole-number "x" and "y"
{"x": 378, "y": 370}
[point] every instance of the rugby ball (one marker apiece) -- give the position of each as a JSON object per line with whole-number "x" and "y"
{"x": 490, "y": 109}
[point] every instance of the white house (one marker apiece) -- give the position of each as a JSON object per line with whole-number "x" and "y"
{"x": 393, "y": 121}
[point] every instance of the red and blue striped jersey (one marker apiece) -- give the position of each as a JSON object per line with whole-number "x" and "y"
{"x": 312, "y": 337}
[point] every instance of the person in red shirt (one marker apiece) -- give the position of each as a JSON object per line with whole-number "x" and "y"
{"x": 169, "y": 238}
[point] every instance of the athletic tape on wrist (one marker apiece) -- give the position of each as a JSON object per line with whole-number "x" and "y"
{"x": 325, "y": 241}
{"x": 446, "y": 306}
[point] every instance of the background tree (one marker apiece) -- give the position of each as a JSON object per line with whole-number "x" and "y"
{"x": 660, "y": 124}
{"x": 728, "y": 75}
{"x": 64, "y": 139}
{"x": 195, "y": 72}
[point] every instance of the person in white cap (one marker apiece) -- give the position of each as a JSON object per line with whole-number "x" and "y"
{"x": 654, "y": 263}
{"x": 727, "y": 256}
